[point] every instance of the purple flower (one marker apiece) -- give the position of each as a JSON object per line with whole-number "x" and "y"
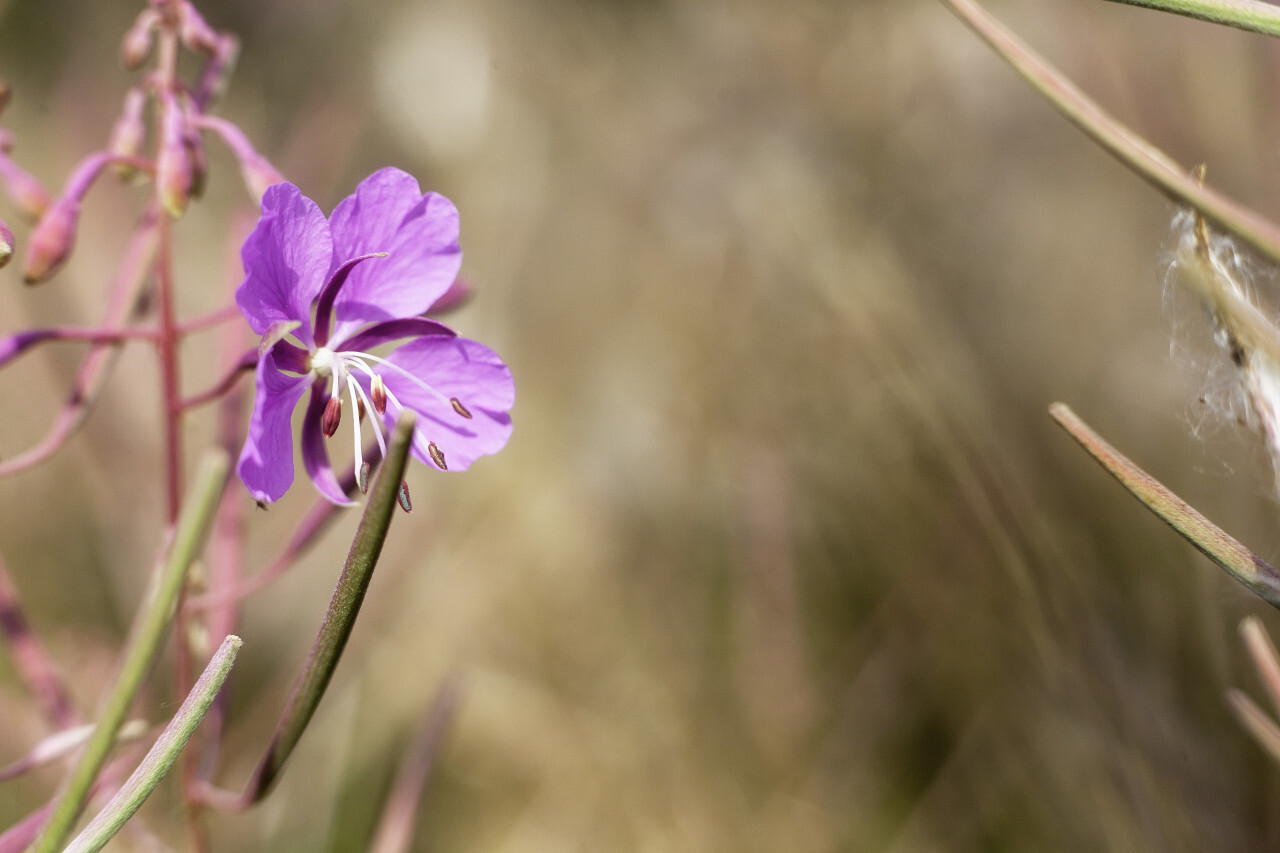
{"x": 339, "y": 288}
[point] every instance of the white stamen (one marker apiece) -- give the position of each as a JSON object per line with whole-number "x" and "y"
{"x": 379, "y": 427}
{"x": 355, "y": 420}
{"x": 406, "y": 374}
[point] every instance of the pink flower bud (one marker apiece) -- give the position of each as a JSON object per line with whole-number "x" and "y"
{"x": 258, "y": 174}
{"x": 137, "y": 41}
{"x": 27, "y": 194}
{"x": 6, "y": 243}
{"x": 217, "y": 70}
{"x": 173, "y": 161}
{"x": 51, "y": 241}
{"x": 129, "y": 132}
{"x": 195, "y": 33}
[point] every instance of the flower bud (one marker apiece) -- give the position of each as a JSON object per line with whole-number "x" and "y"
{"x": 6, "y": 243}
{"x": 332, "y": 417}
{"x": 258, "y": 174}
{"x": 173, "y": 161}
{"x": 196, "y": 34}
{"x": 129, "y": 132}
{"x": 51, "y": 240}
{"x": 137, "y": 41}
{"x": 217, "y": 70}
{"x": 26, "y": 193}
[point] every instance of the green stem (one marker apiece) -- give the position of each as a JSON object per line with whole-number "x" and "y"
{"x": 1238, "y": 561}
{"x": 1129, "y": 148}
{"x": 1252, "y": 15}
{"x": 162, "y": 754}
{"x": 340, "y": 617}
{"x": 146, "y": 638}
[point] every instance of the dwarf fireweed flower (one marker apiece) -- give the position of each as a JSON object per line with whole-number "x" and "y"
{"x": 323, "y": 293}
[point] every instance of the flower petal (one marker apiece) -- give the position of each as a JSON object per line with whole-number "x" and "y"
{"x": 266, "y": 463}
{"x": 392, "y": 330}
{"x": 388, "y": 213}
{"x": 315, "y": 458}
{"x": 457, "y": 368}
{"x": 286, "y": 261}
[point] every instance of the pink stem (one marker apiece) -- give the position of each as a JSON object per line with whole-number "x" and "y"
{"x": 126, "y": 294}
{"x": 246, "y": 363}
{"x": 32, "y": 660}
{"x": 226, "y": 548}
{"x": 213, "y": 318}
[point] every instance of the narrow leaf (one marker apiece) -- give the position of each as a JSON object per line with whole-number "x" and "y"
{"x": 1237, "y": 560}
{"x": 163, "y": 753}
{"x": 146, "y": 637}
{"x": 1252, "y": 15}
{"x": 340, "y": 617}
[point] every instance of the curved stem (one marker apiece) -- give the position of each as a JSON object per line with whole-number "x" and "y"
{"x": 246, "y": 363}
{"x": 213, "y": 318}
{"x": 95, "y": 369}
{"x": 1149, "y": 162}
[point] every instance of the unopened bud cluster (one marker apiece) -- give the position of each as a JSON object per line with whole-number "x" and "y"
{"x": 177, "y": 164}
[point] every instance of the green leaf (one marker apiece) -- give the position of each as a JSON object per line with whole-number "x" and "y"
{"x": 340, "y": 617}
{"x": 161, "y": 756}
{"x": 1251, "y": 15}
{"x": 147, "y": 636}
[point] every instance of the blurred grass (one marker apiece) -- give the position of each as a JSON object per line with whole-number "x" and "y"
{"x": 785, "y": 553}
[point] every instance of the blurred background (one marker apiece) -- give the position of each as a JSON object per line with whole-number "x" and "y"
{"x": 785, "y": 553}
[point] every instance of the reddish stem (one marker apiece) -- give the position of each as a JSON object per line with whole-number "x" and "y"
{"x": 213, "y": 318}
{"x": 32, "y": 661}
{"x": 125, "y": 296}
{"x": 246, "y": 363}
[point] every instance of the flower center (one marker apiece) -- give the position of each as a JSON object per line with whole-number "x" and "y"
{"x": 339, "y": 368}
{"x": 322, "y": 361}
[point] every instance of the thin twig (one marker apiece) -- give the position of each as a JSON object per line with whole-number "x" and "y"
{"x": 1129, "y": 148}
{"x": 95, "y": 369}
{"x": 34, "y": 664}
{"x": 1237, "y": 560}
